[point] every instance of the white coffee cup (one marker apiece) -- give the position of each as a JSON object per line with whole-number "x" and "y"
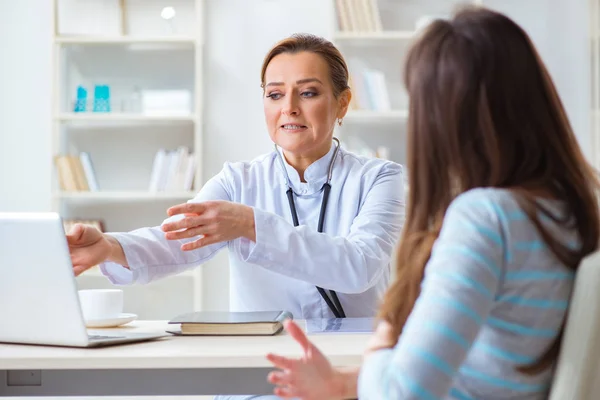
{"x": 98, "y": 304}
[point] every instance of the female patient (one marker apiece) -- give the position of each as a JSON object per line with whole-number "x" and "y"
{"x": 502, "y": 208}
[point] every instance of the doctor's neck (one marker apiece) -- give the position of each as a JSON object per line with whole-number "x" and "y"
{"x": 300, "y": 162}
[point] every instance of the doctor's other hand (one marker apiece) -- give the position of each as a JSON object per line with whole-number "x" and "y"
{"x": 210, "y": 221}
{"x": 88, "y": 247}
{"x": 311, "y": 377}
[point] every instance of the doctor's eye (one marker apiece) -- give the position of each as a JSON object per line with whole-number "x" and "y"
{"x": 274, "y": 96}
{"x": 309, "y": 94}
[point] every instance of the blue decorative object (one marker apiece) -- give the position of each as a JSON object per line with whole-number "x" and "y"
{"x": 101, "y": 98}
{"x": 81, "y": 100}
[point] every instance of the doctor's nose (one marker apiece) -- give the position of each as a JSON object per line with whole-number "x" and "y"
{"x": 290, "y": 107}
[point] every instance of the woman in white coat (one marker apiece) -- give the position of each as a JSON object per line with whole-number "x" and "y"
{"x": 309, "y": 227}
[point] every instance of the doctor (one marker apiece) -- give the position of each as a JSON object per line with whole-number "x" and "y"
{"x": 309, "y": 227}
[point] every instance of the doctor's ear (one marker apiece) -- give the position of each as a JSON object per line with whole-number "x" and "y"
{"x": 344, "y": 102}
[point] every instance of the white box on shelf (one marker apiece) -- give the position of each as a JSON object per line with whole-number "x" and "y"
{"x": 161, "y": 18}
{"x": 89, "y": 17}
{"x": 166, "y": 102}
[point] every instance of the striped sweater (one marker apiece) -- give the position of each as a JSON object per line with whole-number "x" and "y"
{"x": 493, "y": 298}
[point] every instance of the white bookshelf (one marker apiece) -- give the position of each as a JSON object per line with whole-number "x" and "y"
{"x": 123, "y": 196}
{"x": 95, "y": 273}
{"x": 124, "y": 117}
{"x": 375, "y": 36}
{"x": 138, "y": 51}
{"x": 106, "y": 40}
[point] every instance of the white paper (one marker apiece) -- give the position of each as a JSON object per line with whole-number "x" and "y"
{"x": 339, "y": 325}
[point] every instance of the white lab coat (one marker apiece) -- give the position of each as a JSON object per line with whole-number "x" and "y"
{"x": 279, "y": 271}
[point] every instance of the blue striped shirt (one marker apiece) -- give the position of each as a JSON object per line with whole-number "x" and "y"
{"x": 493, "y": 298}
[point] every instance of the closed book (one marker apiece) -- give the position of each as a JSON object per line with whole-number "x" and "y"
{"x": 263, "y": 323}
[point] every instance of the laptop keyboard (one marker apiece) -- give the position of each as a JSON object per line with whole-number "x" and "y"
{"x": 102, "y": 337}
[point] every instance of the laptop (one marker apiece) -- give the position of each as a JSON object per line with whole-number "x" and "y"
{"x": 39, "y": 303}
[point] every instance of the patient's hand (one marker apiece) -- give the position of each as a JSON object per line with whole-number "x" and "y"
{"x": 88, "y": 247}
{"x": 310, "y": 377}
{"x": 383, "y": 338}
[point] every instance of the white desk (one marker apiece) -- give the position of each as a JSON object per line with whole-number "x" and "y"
{"x": 167, "y": 366}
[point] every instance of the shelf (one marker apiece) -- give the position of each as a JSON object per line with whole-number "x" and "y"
{"x": 375, "y": 116}
{"x": 122, "y": 117}
{"x": 95, "y": 272}
{"x": 107, "y": 40}
{"x": 383, "y": 35}
{"x": 135, "y": 52}
{"x": 123, "y": 196}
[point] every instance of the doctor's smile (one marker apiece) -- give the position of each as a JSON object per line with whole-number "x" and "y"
{"x": 292, "y": 128}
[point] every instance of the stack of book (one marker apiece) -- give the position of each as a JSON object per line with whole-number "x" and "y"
{"x": 369, "y": 88}
{"x": 173, "y": 170}
{"x": 358, "y": 16}
{"x": 76, "y": 173}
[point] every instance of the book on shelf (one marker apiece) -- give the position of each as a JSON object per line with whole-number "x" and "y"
{"x": 262, "y": 323}
{"x": 173, "y": 170}
{"x": 369, "y": 88}
{"x": 76, "y": 173}
{"x": 358, "y": 16}
{"x": 354, "y": 105}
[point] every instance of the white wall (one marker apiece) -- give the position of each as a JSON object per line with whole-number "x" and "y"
{"x": 25, "y": 105}
{"x": 560, "y": 31}
{"x": 239, "y": 33}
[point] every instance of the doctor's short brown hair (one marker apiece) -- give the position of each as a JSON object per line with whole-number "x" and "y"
{"x": 299, "y": 42}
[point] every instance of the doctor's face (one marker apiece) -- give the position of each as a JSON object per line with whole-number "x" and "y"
{"x": 300, "y": 107}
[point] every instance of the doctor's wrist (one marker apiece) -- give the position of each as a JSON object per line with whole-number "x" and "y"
{"x": 116, "y": 253}
{"x": 249, "y": 227}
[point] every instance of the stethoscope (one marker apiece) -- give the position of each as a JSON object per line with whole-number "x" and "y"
{"x": 334, "y": 303}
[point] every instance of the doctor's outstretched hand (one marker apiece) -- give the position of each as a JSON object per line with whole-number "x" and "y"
{"x": 210, "y": 221}
{"x": 311, "y": 377}
{"x": 87, "y": 246}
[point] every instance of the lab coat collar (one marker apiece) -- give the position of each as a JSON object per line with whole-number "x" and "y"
{"x": 315, "y": 175}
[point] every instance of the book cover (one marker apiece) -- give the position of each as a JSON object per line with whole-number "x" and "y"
{"x": 230, "y": 323}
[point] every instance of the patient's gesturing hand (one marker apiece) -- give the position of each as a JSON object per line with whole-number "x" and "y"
{"x": 383, "y": 338}
{"x": 311, "y": 377}
{"x": 209, "y": 222}
{"x": 88, "y": 247}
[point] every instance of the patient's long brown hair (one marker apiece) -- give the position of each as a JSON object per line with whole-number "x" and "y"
{"x": 485, "y": 113}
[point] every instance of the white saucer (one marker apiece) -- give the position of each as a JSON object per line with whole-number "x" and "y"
{"x": 110, "y": 322}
